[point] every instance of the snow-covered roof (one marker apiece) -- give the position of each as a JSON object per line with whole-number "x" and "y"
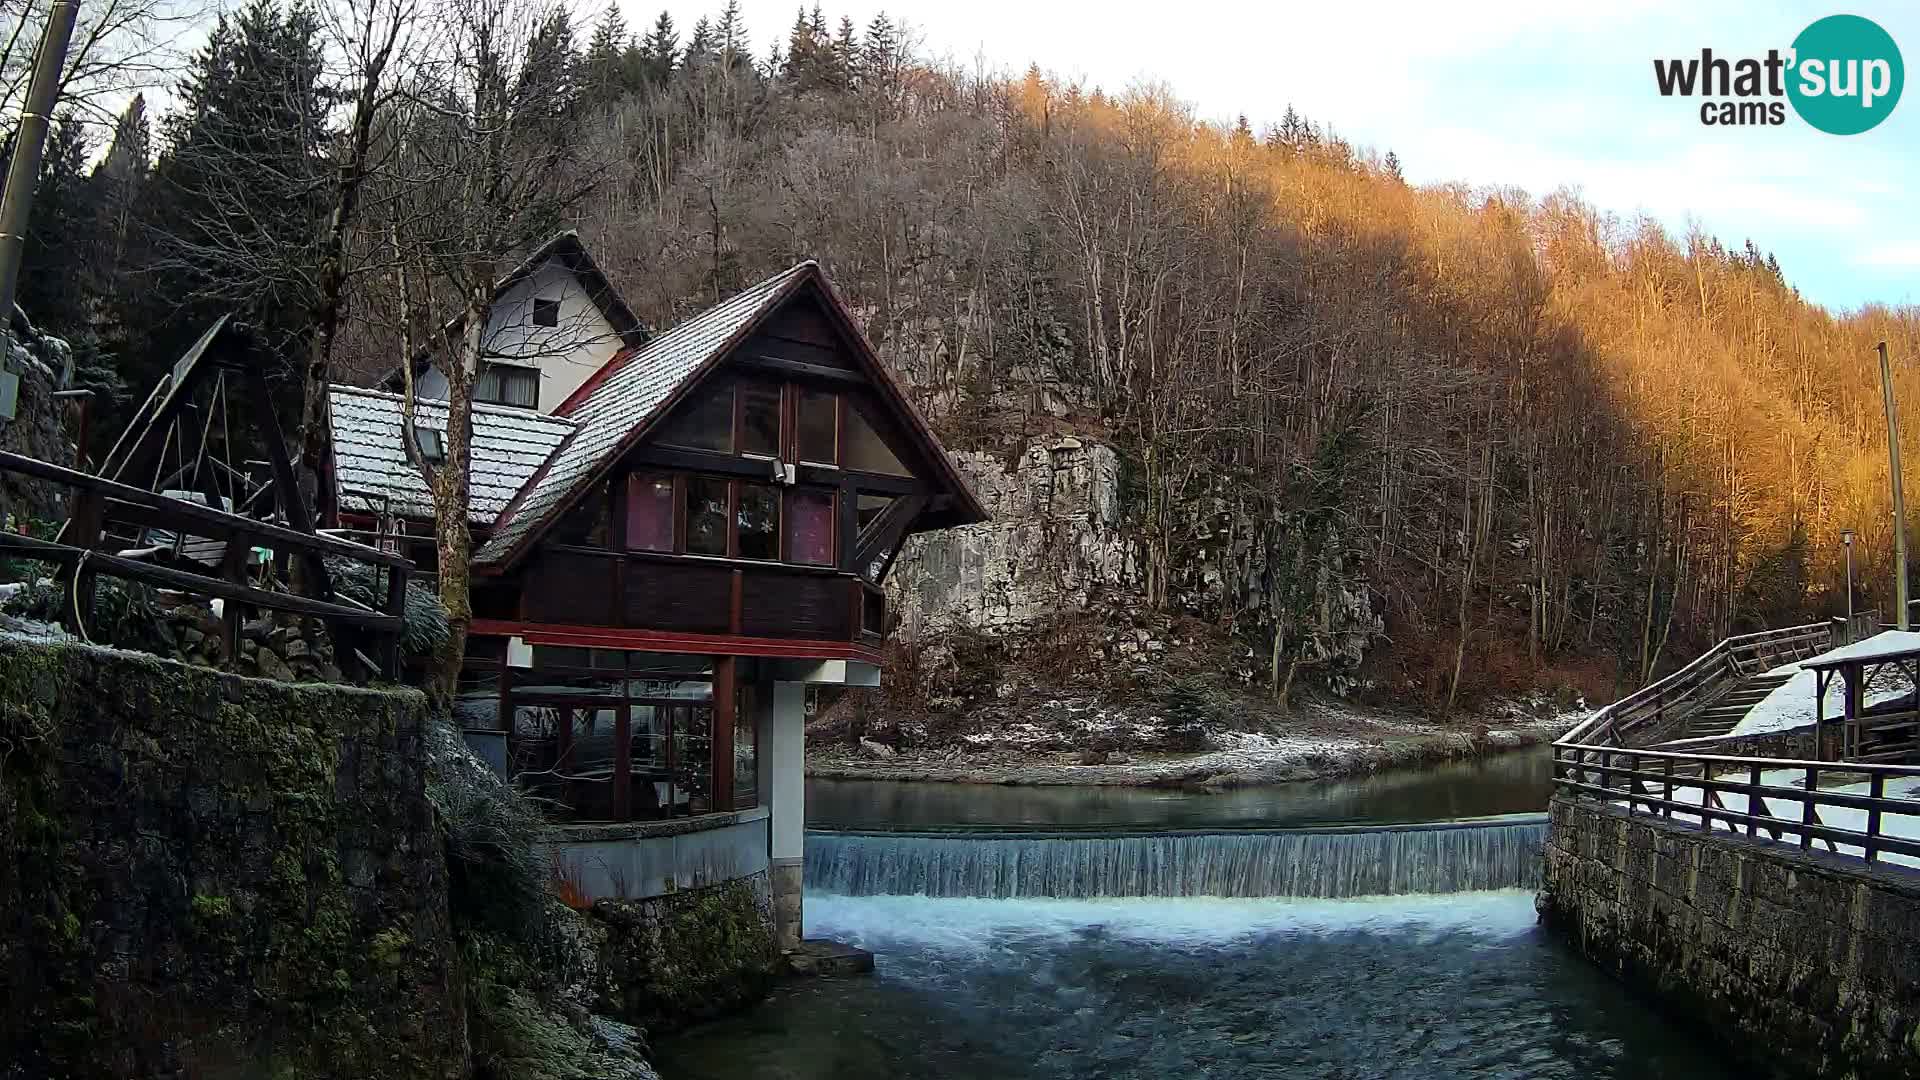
{"x": 628, "y": 394}
{"x": 509, "y": 446}
{"x": 1880, "y": 646}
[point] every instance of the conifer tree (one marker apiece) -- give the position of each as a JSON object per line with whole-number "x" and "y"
{"x": 604, "y": 69}
{"x": 660, "y": 50}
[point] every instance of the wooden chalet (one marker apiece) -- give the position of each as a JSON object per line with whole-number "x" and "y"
{"x": 703, "y": 519}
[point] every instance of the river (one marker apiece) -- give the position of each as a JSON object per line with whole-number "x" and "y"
{"x": 1049, "y": 977}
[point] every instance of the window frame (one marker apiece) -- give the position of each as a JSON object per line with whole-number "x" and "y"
{"x": 496, "y": 369}
{"x": 545, "y": 305}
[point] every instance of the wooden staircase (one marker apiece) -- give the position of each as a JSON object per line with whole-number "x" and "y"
{"x": 1725, "y": 712}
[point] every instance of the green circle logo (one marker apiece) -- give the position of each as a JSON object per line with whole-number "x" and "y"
{"x": 1847, "y": 74}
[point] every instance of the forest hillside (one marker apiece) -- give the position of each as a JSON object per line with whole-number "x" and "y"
{"x": 1434, "y": 442}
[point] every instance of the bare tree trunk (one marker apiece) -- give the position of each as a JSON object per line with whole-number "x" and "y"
{"x": 451, "y": 490}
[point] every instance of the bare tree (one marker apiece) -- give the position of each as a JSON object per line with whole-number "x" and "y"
{"x": 486, "y": 166}
{"x": 119, "y": 47}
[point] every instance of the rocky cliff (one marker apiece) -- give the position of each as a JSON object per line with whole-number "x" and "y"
{"x": 1057, "y": 543}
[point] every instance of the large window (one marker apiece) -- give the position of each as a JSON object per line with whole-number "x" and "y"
{"x": 790, "y": 422}
{"x": 865, "y": 450}
{"x": 759, "y": 522}
{"x": 505, "y": 384}
{"x": 818, "y": 418}
{"x": 706, "y": 515}
{"x": 810, "y": 527}
{"x": 649, "y": 512}
{"x": 578, "y": 714}
{"x": 759, "y": 419}
{"x": 705, "y": 423}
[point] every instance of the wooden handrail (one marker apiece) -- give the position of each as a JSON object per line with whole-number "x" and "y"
{"x": 220, "y": 523}
{"x": 1615, "y": 775}
{"x": 1682, "y": 685}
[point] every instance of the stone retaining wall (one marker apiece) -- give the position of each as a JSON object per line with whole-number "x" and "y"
{"x": 204, "y": 875}
{"x": 1801, "y": 962}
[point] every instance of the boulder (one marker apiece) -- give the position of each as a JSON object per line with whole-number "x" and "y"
{"x": 876, "y": 749}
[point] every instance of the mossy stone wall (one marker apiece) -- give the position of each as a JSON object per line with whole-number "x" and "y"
{"x": 213, "y": 876}
{"x": 688, "y": 955}
{"x": 1802, "y": 962}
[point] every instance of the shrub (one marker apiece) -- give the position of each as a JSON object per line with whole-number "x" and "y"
{"x": 497, "y": 881}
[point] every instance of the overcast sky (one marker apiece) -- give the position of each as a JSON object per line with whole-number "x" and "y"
{"x": 1490, "y": 93}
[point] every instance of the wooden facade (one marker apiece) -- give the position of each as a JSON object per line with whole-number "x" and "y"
{"x": 751, "y": 516}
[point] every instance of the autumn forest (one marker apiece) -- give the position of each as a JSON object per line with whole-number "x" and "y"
{"x": 1548, "y": 445}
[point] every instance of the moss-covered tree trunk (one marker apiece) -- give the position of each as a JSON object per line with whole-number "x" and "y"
{"x": 452, "y": 491}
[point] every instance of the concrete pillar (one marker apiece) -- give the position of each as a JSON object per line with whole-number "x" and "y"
{"x": 786, "y": 735}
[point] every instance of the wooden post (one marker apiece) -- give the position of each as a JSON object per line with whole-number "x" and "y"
{"x": 724, "y": 669}
{"x": 84, "y": 530}
{"x": 1807, "y": 815}
{"x": 233, "y": 567}
{"x": 1877, "y": 790}
{"x": 396, "y": 606}
{"x": 623, "y": 762}
{"x": 1666, "y": 809}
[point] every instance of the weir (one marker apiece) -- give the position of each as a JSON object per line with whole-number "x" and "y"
{"x": 1324, "y": 863}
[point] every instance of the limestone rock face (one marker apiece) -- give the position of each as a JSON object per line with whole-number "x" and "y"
{"x": 1057, "y": 543}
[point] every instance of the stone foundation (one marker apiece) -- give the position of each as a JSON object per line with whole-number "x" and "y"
{"x": 789, "y": 889}
{"x": 1802, "y": 962}
{"x": 688, "y": 955}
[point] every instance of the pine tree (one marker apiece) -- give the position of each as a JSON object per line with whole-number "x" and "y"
{"x": 880, "y": 57}
{"x": 56, "y": 283}
{"x": 1392, "y": 164}
{"x": 797, "y": 66}
{"x": 603, "y": 71}
{"x": 846, "y": 54}
{"x": 549, "y": 75}
{"x": 233, "y": 214}
{"x": 660, "y": 50}
{"x": 700, "y": 47}
{"x": 730, "y": 37}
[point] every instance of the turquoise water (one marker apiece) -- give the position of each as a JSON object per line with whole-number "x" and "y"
{"x": 1462, "y": 985}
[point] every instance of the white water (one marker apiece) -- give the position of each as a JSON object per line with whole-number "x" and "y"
{"x": 1330, "y": 865}
{"x": 974, "y": 926}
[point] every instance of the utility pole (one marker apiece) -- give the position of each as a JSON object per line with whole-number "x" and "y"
{"x": 30, "y": 138}
{"x": 1899, "y": 500}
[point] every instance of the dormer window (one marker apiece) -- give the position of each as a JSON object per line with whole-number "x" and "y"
{"x": 507, "y": 384}
{"x": 546, "y": 312}
{"x": 432, "y": 443}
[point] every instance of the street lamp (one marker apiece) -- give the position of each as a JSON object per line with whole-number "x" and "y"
{"x": 1846, "y": 537}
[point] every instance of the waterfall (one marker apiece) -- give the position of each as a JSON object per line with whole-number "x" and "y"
{"x": 1330, "y": 863}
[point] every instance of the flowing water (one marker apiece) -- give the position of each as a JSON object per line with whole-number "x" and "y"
{"x": 1194, "y": 951}
{"x": 1330, "y": 863}
{"x": 1508, "y": 783}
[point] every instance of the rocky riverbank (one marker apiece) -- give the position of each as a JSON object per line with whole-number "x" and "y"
{"x": 1317, "y": 741}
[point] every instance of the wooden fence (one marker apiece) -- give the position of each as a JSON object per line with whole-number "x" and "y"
{"x": 1652, "y": 781}
{"x": 99, "y": 503}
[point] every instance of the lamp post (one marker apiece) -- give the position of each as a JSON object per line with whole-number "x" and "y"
{"x": 1846, "y": 537}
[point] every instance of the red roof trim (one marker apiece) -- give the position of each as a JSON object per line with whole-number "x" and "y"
{"x": 639, "y": 430}
{"x": 584, "y": 390}
{"x": 613, "y": 637}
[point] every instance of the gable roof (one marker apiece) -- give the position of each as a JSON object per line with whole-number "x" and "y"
{"x": 372, "y": 469}
{"x": 622, "y": 401}
{"x": 566, "y": 248}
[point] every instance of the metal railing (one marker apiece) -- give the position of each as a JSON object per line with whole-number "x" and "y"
{"x": 1662, "y": 783}
{"x": 1699, "y": 682}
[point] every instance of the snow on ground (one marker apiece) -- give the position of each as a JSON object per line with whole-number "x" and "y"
{"x": 1791, "y": 705}
{"x": 1905, "y": 826}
